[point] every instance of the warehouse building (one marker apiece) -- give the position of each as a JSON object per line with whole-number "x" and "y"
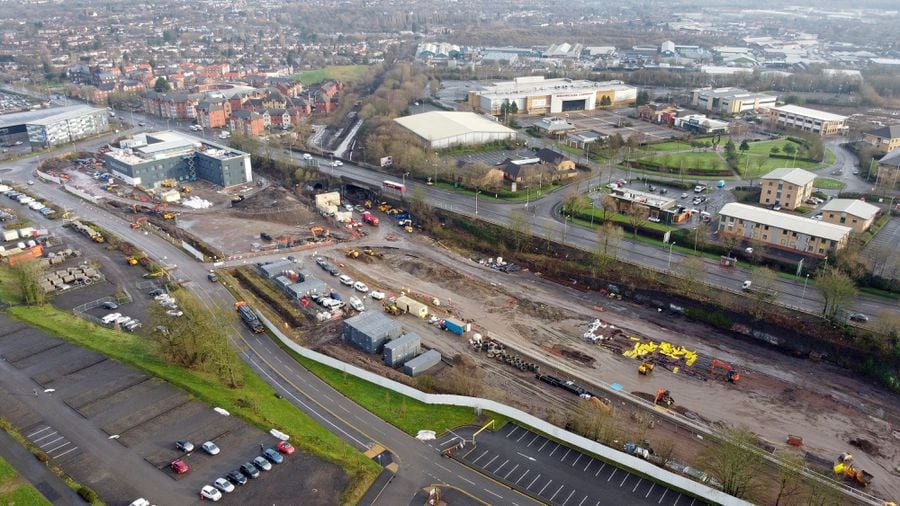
{"x": 782, "y": 230}
{"x": 151, "y": 158}
{"x": 443, "y": 129}
{"x": 808, "y": 120}
{"x": 44, "y": 128}
{"x": 537, "y": 95}
{"x": 730, "y": 101}
{"x": 370, "y": 330}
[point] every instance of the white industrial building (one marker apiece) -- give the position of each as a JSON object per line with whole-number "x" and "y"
{"x": 730, "y": 101}
{"x": 806, "y": 119}
{"x": 51, "y": 127}
{"x": 537, "y": 95}
{"x": 443, "y": 129}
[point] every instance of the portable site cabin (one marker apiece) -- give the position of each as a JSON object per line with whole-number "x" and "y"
{"x": 412, "y": 307}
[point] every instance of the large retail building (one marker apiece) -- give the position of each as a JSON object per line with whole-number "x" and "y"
{"x": 444, "y": 129}
{"x": 43, "y": 128}
{"x": 537, "y": 95}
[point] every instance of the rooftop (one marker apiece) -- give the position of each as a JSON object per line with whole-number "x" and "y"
{"x": 166, "y": 144}
{"x": 810, "y": 113}
{"x": 729, "y": 93}
{"x": 795, "y": 176}
{"x": 46, "y": 116}
{"x": 886, "y": 132}
{"x": 537, "y": 85}
{"x": 785, "y": 221}
{"x": 855, "y": 207}
{"x": 648, "y": 199}
{"x": 435, "y": 125}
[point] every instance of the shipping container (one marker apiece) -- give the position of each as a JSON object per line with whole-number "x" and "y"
{"x": 398, "y": 351}
{"x": 422, "y": 363}
{"x": 10, "y": 235}
{"x": 457, "y": 328}
{"x": 412, "y": 307}
{"x": 370, "y": 330}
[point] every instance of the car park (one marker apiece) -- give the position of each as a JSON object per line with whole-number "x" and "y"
{"x": 179, "y": 466}
{"x": 109, "y": 305}
{"x": 273, "y": 456}
{"x": 346, "y": 280}
{"x": 210, "y": 492}
{"x": 185, "y": 446}
{"x": 262, "y": 464}
{"x": 285, "y": 448}
{"x": 359, "y": 286}
{"x": 237, "y": 477}
{"x": 224, "y": 485}
{"x": 250, "y": 470}
{"x": 210, "y": 448}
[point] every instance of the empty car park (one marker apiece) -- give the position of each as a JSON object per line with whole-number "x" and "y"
{"x": 557, "y": 474}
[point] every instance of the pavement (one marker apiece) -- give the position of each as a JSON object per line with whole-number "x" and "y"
{"x": 51, "y": 486}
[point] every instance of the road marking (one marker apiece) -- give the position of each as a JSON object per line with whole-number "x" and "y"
{"x": 533, "y": 440}
{"x": 611, "y": 474}
{"x": 636, "y": 485}
{"x": 501, "y": 466}
{"x": 532, "y": 481}
{"x": 598, "y": 470}
{"x": 554, "y": 450}
{"x": 545, "y": 486}
{"x": 527, "y": 457}
{"x": 51, "y": 442}
{"x": 651, "y": 490}
{"x": 342, "y": 407}
{"x": 676, "y": 500}
{"x": 543, "y": 445}
{"x": 624, "y": 480}
{"x": 493, "y": 493}
{"x": 38, "y": 432}
{"x": 470, "y": 482}
{"x": 70, "y": 450}
{"x": 692, "y": 502}
{"x": 44, "y": 437}
{"x": 570, "y": 496}
{"x": 58, "y": 447}
{"x": 278, "y": 359}
{"x": 566, "y": 455}
{"x": 588, "y": 465}
{"x": 450, "y": 441}
{"x": 665, "y": 491}
{"x": 444, "y": 468}
{"x": 511, "y": 471}
{"x": 522, "y": 436}
{"x": 492, "y": 460}
{"x": 479, "y": 457}
{"x": 576, "y": 460}
{"x": 523, "y": 475}
{"x": 510, "y": 433}
{"x": 582, "y": 501}
{"x": 557, "y": 491}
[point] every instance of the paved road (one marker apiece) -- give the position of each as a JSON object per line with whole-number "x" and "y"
{"x": 419, "y": 464}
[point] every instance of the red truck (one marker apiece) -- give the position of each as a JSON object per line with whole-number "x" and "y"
{"x": 370, "y": 218}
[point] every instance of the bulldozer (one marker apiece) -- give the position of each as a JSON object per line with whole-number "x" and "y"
{"x": 352, "y": 253}
{"x": 844, "y": 466}
{"x": 369, "y": 251}
{"x": 731, "y": 375}
{"x": 645, "y": 368}
{"x": 663, "y": 398}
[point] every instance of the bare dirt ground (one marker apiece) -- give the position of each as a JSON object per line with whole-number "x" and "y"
{"x": 777, "y": 395}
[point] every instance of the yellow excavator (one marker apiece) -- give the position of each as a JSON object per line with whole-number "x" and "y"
{"x": 352, "y": 253}
{"x": 845, "y": 467}
{"x": 132, "y": 260}
{"x": 645, "y": 368}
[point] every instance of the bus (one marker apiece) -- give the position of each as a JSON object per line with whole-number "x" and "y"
{"x": 391, "y": 185}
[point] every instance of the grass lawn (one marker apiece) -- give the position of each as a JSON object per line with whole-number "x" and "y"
{"x": 345, "y": 73}
{"x": 255, "y": 402}
{"x": 618, "y": 218}
{"x": 506, "y": 196}
{"x": 826, "y": 183}
{"x": 20, "y": 493}
{"x": 668, "y": 146}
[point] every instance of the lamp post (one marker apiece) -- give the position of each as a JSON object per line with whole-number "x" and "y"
{"x": 526, "y": 196}
{"x": 669, "y": 263}
{"x": 476, "y": 202}
{"x": 805, "y": 281}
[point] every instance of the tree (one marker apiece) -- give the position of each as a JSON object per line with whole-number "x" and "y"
{"x": 605, "y": 101}
{"x": 775, "y": 150}
{"x": 730, "y": 148}
{"x": 837, "y": 289}
{"x": 161, "y": 85}
{"x": 575, "y": 203}
{"x": 733, "y": 462}
{"x": 521, "y": 231}
{"x": 609, "y": 237}
{"x": 745, "y": 146}
{"x": 763, "y": 282}
{"x": 608, "y": 205}
{"x": 789, "y": 149}
{"x": 513, "y": 108}
{"x": 790, "y": 478}
{"x": 692, "y": 271}
{"x": 638, "y": 215}
{"x": 643, "y": 97}
{"x": 592, "y": 421}
{"x": 27, "y": 277}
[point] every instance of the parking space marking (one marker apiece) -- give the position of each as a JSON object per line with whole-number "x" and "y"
{"x": 576, "y": 459}
{"x": 44, "y": 437}
{"x": 501, "y": 466}
{"x": 611, "y": 474}
{"x": 70, "y": 450}
{"x": 545, "y": 487}
{"x": 582, "y": 501}
{"x": 651, "y": 490}
{"x": 525, "y": 433}
{"x": 676, "y": 500}
{"x": 566, "y": 455}
{"x": 492, "y": 460}
{"x": 510, "y": 433}
{"x": 511, "y": 471}
{"x": 533, "y": 440}
{"x": 637, "y": 485}
{"x": 58, "y": 447}
{"x": 523, "y": 475}
{"x": 663, "y": 496}
{"x": 479, "y": 457}
{"x": 543, "y": 445}
{"x": 38, "y": 432}
{"x": 532, "y": 481}
{"x": 51, "y": 442}
{"x": 624, "y": 480}
{"x": 570, "y": 496}
{"x": 693, "y": 501}
{"x": 554, "y": 450}
{"x": 598, "y": 470}
{"x": 591, "y": 461}
{"x": 557, "y": 491}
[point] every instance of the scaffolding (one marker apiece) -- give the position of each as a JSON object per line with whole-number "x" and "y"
{"x": 191, "y": 168}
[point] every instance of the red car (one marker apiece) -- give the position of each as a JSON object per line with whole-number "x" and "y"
{"x": 179, "y": 466}
{"x": 285, "y": 448}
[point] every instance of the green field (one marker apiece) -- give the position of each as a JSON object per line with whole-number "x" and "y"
{"x": 827, "y": 183}
{"x": 669, "y": 146}
{"x": 345, "y": 73}
{"x": 15, "y": 491}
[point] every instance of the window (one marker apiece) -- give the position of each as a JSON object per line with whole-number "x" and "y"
{"x": 767, "y": 227}
{"x": 783, "y": 242}
{"x": 768, "y": 192}
{"x": 793, "y": 234}
{"x": 765, "y": 237}
{"x": 821, "y": 251}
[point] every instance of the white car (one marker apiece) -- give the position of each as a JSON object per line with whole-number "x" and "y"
{"x": 346, "y": 280}
{"x": 210, "y": 492}
{"x": 210, "y": 448}
{"x": 698, "y": 189}
{"x": 348, "y": 207}
{"x": 224, "y": 485}
{"x": 376, "y": 294}
{"x": 359, "y": 286}
{"x": 357, "y": 304}
{"x": 337, "y": 163}
{"x": 307, "y": 156}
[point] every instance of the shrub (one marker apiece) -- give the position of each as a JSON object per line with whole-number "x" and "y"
{"x": 88, "y": 494}
{"x": 41, "y": 456}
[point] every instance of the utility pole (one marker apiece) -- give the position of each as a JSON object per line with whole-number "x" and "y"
{"x": 476, "y": 201}
{"x": 669, "y": 263}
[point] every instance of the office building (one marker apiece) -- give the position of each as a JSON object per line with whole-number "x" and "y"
{"x": 44, "y": 128}
{"x": 537, "y": 95}
{"x": 730, "y": 101}
{"x": 786, "y": 187}
{"x": 884, "y": 139}
{"x": 807, "y": 120}
{"x": 853, "y": 213}
{"x": 782, "y": 230}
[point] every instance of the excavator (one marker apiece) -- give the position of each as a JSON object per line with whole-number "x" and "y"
{"x": 392, "y": 309}
{"x": 137, "y": 223}
{"x": 317, "y": 231}
{"x": 844, "y": 466}
{"x": 731, "y": 375}
{"x": 645, "y": 368}
{"x": 352, "y": 253}
{"x": 663, "y": 398}
{"x": 132, "y": 260}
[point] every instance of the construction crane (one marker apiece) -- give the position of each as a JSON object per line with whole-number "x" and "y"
{"x": 645, "y": 368}
{"x": 731, "y": 375}
{"x": 844, "y": 466}
{"x": 663, "y": 398}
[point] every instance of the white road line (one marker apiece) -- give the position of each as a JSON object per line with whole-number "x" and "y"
{"x": 525, "y": 433}
{"x": 278, "y": 359}
{"x": 651, "y": 490}
{"x": 70, "y": 450}
{"x": 510, "y": 433}
{"x": 342, "y": 407}
{"x": 35, "y": 433}
{"x": 44, "y": 437}
{"x": 501, "y": 466}
{"x": 511, "y": 471}
{"x": 532, "y": 481}
{"x": 663, "y": 496}
{"x": 523, "y": 475}
{"x": 545, "y": 486}
{"x": 598, "y": 470}
{"x": 554, "y": 450}
{"x": 692, "y": 502}
{"x": 470, "y": 482}
{"x": 636, "y": 485}
{"x": 51, "y": 442}
{"x": 566, "y": 455}
{"x": 444, "y": 468}
{"x": 493, "y": 493}
{"x": 58, "y": 447}
{"x": 582, "y": 501}
{"x": 479, "y": 457}
{"x": 576, "y": 460}
{"x": 611, "y": 474}
{"x": 533, "y": 440}
{"x": 492, "y": 460}
{"x": 570, "y": 496}
{"x": 543, "y": 445}
{"x": 676, "y": 500}
{"x": 588, "y": 465}
{"x": 624, "y": 480}
{"x": 557, "y": 491}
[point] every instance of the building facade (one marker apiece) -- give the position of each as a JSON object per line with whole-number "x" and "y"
{"x": 730, "y": 101}
{"x": 852, "y": 213}
{"x": 51, "y": 127}
{"x": 786, "y": 187}
{"x": 781, "y": 230}
{"x": 537, "y": 95}
{"x": 806, "y": 120}
{"x": 884, "y": 139}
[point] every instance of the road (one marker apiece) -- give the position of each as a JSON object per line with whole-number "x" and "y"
{"x": 419, "y": 464}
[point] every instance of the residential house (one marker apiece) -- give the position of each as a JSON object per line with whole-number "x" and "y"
{"x": 277, "y": 118}
{"x": 565, "y": 168}
{"x": 786, "y": 187}
{"x": 249, "y": 123}
{"x": 213, "y": 113}
{"x": 853, "y": 213}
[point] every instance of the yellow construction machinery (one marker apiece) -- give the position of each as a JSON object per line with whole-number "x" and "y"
{"x": 369, "y": 251}
{"x": 352, "y": 253}
{"x": 132, "y": 260}
{"x": 185, "y": 189}
{"x": 168, "y": 216}
{"x": 844, "y": 466}
{"x": 384, "y": 207}
{"x": 168, "y": 183}
{"x": 392, "y": 309}
{"x": 367, "y": 204}
{"x": 645, "y": 368}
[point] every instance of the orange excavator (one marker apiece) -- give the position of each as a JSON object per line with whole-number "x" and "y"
{"x": 844, "y": 466}
{"x": 137, "y": 223}
{"x": 731, "y": 375}
{"x": 663, "y": 398}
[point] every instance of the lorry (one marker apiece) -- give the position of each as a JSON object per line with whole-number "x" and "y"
{"x": 369, "y": 218}
{"x": 249, "y": 317}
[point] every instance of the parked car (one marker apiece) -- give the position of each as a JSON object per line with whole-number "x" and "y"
{"x": 237, "y": 477}
{"x": 307, "y": 156}
{"x": 285, "y": 448}
{"x": 250, "y": 470}
{"x": 212, "y": 277}
{"x": 273, "y": 456}
{"x": 210, "y": 492}
{"x": 179, "y": 466}
{"x": 210, "y": 448}
{"x": 858, "y": 317}
{"x": 346, "y": 280}
{"x": 357, "y": 304}
{"x": 224, "y": 485}
{"x": 110, "y": 305}
{"x": 699, "y": 188}
{"x": 376, "y": 294}
{"x": 359, "y": 286}
{"x": 262, "y": 464}
{"x": 185, "y": 446}
{"x": 684, "y": 195}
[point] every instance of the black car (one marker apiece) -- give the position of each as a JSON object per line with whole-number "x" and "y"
{"x": 158, "y": 291}
{"x": 237, "y": 477}
{"x": 273, "y": 456}
{"x": 250, "y": 470}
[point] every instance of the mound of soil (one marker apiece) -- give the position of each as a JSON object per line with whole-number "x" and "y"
{"x": 866, "y": 446}
{"x": 274, "y": 204}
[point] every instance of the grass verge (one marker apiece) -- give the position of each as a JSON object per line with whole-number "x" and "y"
{"x": 12, "y": 492}
{"x": 255, "y": 402}
{"x": 827, "y": 183}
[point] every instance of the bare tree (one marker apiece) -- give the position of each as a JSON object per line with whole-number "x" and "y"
{"x": 608, "y": 205}
{"x": 692, "y": 274}
{"x": 520, "y": 228}
{"x": 837, "y": 289}
{"x": 609, "y": 237}
{"x": 638, "y": 216}
{"x": 763, "y": 283}
{"x": 733, "y": 462}
{"x": 593, "y": 421}
{"x": 790, "y": 479}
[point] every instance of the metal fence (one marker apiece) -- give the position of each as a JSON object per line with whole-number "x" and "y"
{"x": 81, "y": 311}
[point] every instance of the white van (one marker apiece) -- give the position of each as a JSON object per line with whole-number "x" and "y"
{"x": 111, "y": 317}
{"x": 307, "y": 156}
{"x": 346, "y": 280}
{"x": 746, "y": 286}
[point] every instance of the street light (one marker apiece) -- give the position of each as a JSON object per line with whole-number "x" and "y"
{"x": 669, "y": 263}
{"x": 805, "y": 281}
{"x": 476, "y": 202}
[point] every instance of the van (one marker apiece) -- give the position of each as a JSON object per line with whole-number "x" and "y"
{"x": 357, "y": 304}
{"x": 746, "y": 286}
{"x": 307, "y": 156}
{"x": 346, "y": 280}
{"x": 111, "y": 317}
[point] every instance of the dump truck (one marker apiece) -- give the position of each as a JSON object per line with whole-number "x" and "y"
{"x": 249, "y": 317}
{"x": 369, "y": 218}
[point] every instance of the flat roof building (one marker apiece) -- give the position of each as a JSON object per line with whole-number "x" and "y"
{"x": 807, "y": 120}
{"x": 148, "y": 159}
{"x": 537, "y": 95}
{"x": 782, "y": 230}
{"x": 51, "y": 127}
{"x": 730, "y": 101}
{"x": 443, "y": 129}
